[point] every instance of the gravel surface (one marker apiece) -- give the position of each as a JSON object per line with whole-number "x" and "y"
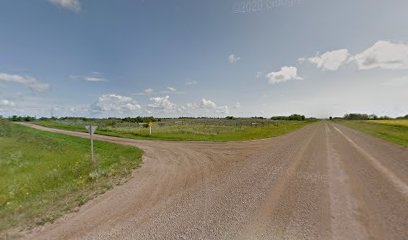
{"x": 324, "y": 181}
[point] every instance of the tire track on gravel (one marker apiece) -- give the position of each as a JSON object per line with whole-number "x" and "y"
{"x": 343, "y": 206}
{"x": 381, "y": 205}
{"x": 400, "y": 185}
{"x": 258, "y": 224}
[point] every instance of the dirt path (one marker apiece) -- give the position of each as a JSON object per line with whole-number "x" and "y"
{"x": 324, "y": 181}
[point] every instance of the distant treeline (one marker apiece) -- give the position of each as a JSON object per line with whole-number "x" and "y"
{"x": 403, "y": 117}
{"x": 139, "y": 119}
{"x": 293, "y": 117}
{"x": 362, "y": 116}
{"x": 20, "y": 118}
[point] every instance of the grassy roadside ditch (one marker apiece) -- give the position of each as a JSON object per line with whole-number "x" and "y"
{"x": 44, "y": 175}
{"x": 395, "y": 131}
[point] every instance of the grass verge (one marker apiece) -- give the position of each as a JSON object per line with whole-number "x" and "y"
{"x": 190, "y": 132}
{"x": 44, "y": 175}
{"x": 395, "y": 131}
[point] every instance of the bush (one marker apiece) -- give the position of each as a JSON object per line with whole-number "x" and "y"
{"x": 140, "y": 119}
{"x": 297, "y": 117}
{"x": 293, "y": 117}
{"x": 356, "y": 116}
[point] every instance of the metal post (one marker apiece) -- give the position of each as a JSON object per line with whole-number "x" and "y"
{"x": 91, "y": 129}
{"x": 92, "y": 147}
{"x": 150, "y": 124}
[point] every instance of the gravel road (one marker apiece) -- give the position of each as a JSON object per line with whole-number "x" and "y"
{"x": 324, "y": 181}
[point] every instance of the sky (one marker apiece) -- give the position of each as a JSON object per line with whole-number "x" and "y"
{"x": 100, "y": 58}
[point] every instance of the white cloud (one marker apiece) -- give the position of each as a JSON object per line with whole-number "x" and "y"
{"x": 172, "y": 89}
{"x": 31, "y": 82}
{"x": 193, "y": 82}
{"x": 207, "y": 104}
{"x": 115, "y": 104}
{"x": 92, "y": 77}
{"x": 73, "y": 5}
{"x": 285, "y": 74}
{"x": 151, "y": 91}
{"x": 7, "y": 103}
{"x": 223, "y": 110}
{"x": 191, "y": 106}
{"x": 385, "y": 55}
{"x": 233, "y": 59}
{"x": 330, "y": 60}
{"x": 148, "y": 91}
{"x": 237, "y": 105}
{"x": 79, "y": 110}
{"x": 301, "y": 60}
{"x": 162, "y": 103}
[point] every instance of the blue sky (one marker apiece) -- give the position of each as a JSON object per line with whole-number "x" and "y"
{"x": 203, "y": 58}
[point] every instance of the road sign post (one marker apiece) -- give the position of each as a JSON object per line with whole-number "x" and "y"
{"x": 91, "y": 130}
{"x": 150, "y": 124}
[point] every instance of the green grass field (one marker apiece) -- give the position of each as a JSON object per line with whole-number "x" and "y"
{"x": 395, "y": 131}
{"x": 44, "y": 175}
{"x": 397, "y": 122}
{"x": 188, "y": 130}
